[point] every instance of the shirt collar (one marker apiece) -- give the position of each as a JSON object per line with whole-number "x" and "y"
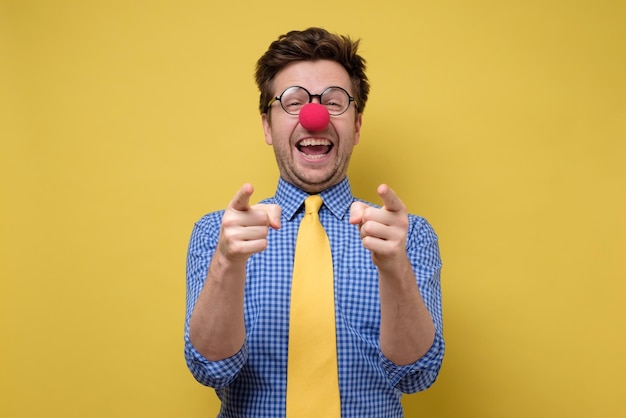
{"x": 337, "y": 198}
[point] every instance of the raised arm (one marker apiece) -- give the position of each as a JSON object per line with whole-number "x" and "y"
{"x": 216, "y": 328}
{"x": 407, "y": 330}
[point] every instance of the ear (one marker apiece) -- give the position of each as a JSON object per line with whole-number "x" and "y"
{"x": 357, "y": 128}
{"x": 267, "y": 129}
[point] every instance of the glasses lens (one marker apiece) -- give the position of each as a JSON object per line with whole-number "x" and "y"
{"x": 336, "y": 100}
{"x": 293, "y": 99}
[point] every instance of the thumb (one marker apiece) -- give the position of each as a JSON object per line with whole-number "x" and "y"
{"x": 273, "y": 213}
{"x": 356, "y": 212}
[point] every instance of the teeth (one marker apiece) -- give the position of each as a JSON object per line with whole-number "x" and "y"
{"x": 315, "y": 157}
{"x": 314, "y": 141}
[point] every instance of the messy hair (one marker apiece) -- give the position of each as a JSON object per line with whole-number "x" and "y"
{"x": 310, "y": 45}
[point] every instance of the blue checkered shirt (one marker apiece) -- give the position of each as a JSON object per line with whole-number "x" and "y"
{"x": 253, "y": 382}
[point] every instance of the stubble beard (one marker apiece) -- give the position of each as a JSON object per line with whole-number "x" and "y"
{"x": 308, "y": 180}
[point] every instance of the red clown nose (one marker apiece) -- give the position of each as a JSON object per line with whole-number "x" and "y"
{"x": 314, "y": 117}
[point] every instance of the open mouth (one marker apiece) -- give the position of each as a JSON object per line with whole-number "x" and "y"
{"x": 314, "y": 148}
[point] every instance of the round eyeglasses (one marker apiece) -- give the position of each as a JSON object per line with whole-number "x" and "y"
{"x": 335, "y": 99}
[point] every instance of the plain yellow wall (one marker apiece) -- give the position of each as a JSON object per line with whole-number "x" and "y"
{"x": 122, "y": 122}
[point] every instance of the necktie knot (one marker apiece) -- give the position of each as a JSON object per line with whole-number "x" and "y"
{"x": 312, "y": 204}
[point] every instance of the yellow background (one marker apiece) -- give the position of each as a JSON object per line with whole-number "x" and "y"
{"x": 502, "y": 122}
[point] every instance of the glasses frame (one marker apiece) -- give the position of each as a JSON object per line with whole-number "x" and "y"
{"x": 311, "y": 97}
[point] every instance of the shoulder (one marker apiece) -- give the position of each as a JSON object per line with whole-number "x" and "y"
{"x": 209, "y": 223}
{"x": 420, "y": 227}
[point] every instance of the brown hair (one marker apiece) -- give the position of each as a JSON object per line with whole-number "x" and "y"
{"x": 310, "y": 45}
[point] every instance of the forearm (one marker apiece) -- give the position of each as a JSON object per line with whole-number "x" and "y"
{"x": 217, "y": 328}
{"x": 406, "y": 330}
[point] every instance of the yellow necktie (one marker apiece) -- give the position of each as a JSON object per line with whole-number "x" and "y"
{"x": 312, "y": 377}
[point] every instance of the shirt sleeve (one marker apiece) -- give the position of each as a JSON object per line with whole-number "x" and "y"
{"x": 215, "y": 374}
{"x": 423, "y": 251}
{"x": 203, "y": 242}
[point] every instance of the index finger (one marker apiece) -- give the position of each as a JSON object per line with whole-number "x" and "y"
{"x": 391, "y": 201}
{"x": 241, "y": 201}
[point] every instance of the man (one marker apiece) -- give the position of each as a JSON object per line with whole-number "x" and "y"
{"x": 386, "y": 262}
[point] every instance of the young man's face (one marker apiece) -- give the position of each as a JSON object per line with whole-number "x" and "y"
{"x": 312, "y": 168}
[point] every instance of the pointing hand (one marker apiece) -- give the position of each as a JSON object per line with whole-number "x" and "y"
{"x": 383, "y": 230}
{"x": 244, "y": 227}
